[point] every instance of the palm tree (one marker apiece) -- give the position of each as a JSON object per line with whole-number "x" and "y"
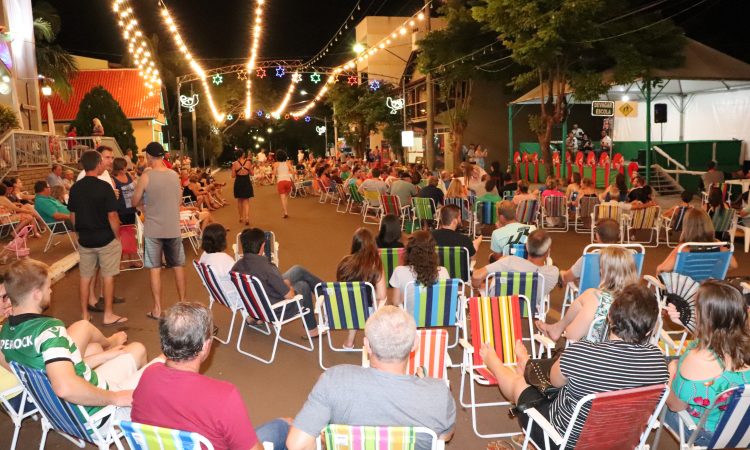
{"x": 52, "y": 60}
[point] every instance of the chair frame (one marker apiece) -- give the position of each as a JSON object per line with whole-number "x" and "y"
{"x": 543, "y": 302}
{"x": 582, "y": 214}
{"x": 437, "y": 443}
{"x": 416, "y": 216}
{"x": 370, "y": 205}
{"x": 342, "y": 199}
{"x": 17, "y": 416}
{"x": 534, "y": 219}
{"x": 674, "y": 223}
{"x": 460, "y": 299}
{"x": 51, "y": 240}
{"x": 216, "y": 295}
{"x": 404, "y": 211}
{"x": 563, "y": 217}
{"x": 479, "y": 220}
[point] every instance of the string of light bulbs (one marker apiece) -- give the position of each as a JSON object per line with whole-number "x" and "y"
{"x": 137, "y": 45}
{"x": 257, "y": 28}
{"x": 334, "y": 39}
{"x": 197, "y": 69}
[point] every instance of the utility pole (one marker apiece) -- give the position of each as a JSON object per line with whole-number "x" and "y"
{"x": 179, "y": 119}
{"x": 195, "y": 128}
{"x": 335, "y": 131}
{"x": 429, "y": 137}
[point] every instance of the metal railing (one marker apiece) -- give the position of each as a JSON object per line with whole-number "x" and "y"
{"x": 669, "y": 159}
{"x": 68, "y": 150}
{"x": 22, "y": 149}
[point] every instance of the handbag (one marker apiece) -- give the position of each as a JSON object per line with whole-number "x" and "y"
{"x": 537, "y": 375}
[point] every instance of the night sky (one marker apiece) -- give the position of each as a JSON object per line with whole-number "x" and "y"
{"x": 216, "y": 30}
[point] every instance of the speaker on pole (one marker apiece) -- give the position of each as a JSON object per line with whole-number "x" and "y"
{"x": 660, "y": 113}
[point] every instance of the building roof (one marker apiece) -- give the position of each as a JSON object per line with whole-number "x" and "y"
{"x": 125, "y": 85}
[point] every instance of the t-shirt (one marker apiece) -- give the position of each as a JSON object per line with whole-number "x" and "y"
{"x": 635, "y": 194}
{"x": 221, "y": 264}
{"x": 105, "y": 176}
{"x": 432, "y": 192}
{"x": 600, "y": 367}
{"x": 402, "y": 275}
{"x": 161, "y": 200}
{"x": 54, "y": 179}
{"x": 167, "y": 397}
{"x": 710, "y": 178}
{"x": 34, "y": 340}
{"x": 450, "y": 238}
{"x": 513, "y": 263}
{"x": 353, "y": 395}
{"x": 404, "y": 190}
{"x": 374, "y": 184}
{"x": 91, "y": 199}
{"x": 268, "y": 274}
{"x": 48, "y": 206}
{"x": 502, "y": 235}
{"x": 577, "y": 268}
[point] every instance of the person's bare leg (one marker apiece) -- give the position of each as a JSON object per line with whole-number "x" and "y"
{"x": 239, "y": 209}
{"x": 85, "y": 334}
{"x": 179, "y": 278}
{"x": 555, "y": 330}
{"x": 510, "y": 382}
{"x": 109, "y": 296}
{"x": 246, "y": 211}
{"x": 138, "y": 352}
{"x": 284, "y": 201}
{"x": 84, "y": 292}
{"x": 350, "y": 338}
{"x": 155, "y": 275}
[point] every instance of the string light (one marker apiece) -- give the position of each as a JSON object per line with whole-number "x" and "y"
{"x": 257, "y": 28}
{"x": 285, "y": 101}
{"x": 138, "y": 47}
{"x": 217, "y": 79}
{"x": 280, "y": 71}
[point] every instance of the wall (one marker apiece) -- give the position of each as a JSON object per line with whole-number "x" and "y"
{"x": 488, "y": 120}
{"x": 29, "y": 176}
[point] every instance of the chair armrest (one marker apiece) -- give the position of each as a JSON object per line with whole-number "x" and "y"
{"x": 542, "y": 339}
{"x": 465, "y": 344}
{"x": 664, "y": 336}
{"x": 653, "y": 281}
{"x": 294, "y": 299}
{"x": 687, "y": 420}
{"x": 544, "y": 424}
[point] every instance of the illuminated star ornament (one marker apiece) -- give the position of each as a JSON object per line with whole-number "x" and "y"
{"x": 296, "y": 77}
{"x": 260, "y": 113}
{"x": 214, "y": 129}
{"x": 260, "y": 72}
{"x": 374, "y": 85}
{"x": 315, "y": 78}
{"x": 280, "y": 71}
{"x": 230, "y": 117}
{"x": 217, "y": 79}
{"x": 353, "y": 80}
{"x": 242, "y": 75}
{"x": 308, "y": 119}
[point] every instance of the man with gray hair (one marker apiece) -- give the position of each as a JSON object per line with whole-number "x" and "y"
{"x": 381, "y": 395}
{"x": 166, "y": 394}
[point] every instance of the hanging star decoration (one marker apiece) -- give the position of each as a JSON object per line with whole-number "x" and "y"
{"x": 296, "y": 77}
{"x": 315, "y": 78}
{"x": 230, "y": 117}
{"x": 374, "y": 85}
{"x": 217, "y": 79}
{"x": 242, "y": 116}
{"x": 353, "y": 80}
{"x": 280, "y": 71}
{"x": 308, "y": 119}
{"x": 242, "y": 75}
{"x": 260, "y": 72}
{"x": 260, "y": 113}
{"x": 286, "y": 116}
{"x": 268, "y": 116}
{"x": 214, "y": 129}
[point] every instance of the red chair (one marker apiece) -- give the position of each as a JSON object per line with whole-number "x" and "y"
{"x": 525, "y": 159}
{"x": 579, "y": 162}
{"x": 556, "y": 163}
{"x": 535, "y": 161}
{"x": 591, "y": 162}
{"x": 604, "y": 164}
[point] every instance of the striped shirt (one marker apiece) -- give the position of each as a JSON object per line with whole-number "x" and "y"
{"x": 601, "y": 367}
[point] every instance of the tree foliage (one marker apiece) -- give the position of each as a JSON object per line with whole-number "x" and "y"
{"x": 52, "y": 60}
{"x": 562, "y": 42}
{"x": 100, "y": 103}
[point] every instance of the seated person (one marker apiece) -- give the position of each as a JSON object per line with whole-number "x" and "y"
{"x": 447, "y": 236}
{"x": 686, "y": 198}
{"x": 389, "y": 235}
{"x": 214, "y": 244}
{"x": 278, "y": 287}
{"x": 18, "y": 215}
{"x": 523, "y": 193}
{"x": 696, "y": 227}
{"x": 589, "y": 367}
{"x": 508, "y": 227}
{"x": 456, "y": 189}
{"x": 587, "y": 190}
{"x": 718, "y": 359}
{"x": 712, "y": 177}
{"x": 374, "y": 183}
{"x": 432, "y": 191}
{"x": 510, "y": 185}
{"x": 85, "y": 367}
{"x": 165, "y": 396}
{"x": 404, "y": 189}
{"x": 381, "y": 395}
{"x": 538, "y": 247}
{"x": 645, "y": 199}
{"x": 420, "y": 265}
{"x": 49, "y": 208}
{"x": 617, "y": 192}
{"x": 607, "y": 231}
{"x": 636, "y": 184}
{"x": 616, "y": 271}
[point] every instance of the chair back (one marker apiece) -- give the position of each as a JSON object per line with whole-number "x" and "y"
{"x": 347, "y": 437}
{"x": 391, "y": 204}
{"x": 635, "y": 407}
{"x": 517, "y": 243}
{"x": 372, "y": 197}
{"x": 424, "y": 208}
{"x": 485, "y": 213}
{"x": 678, "y": 218}
{"x": 530, "y": 285}
{"x": 18, "y": 244}
{"x": 643, "y": 219}
{"x": 586, "y": 205}
{"x": 554, "y": 206}
{"x": 391, "y": 258}
{"x": 343, "y": 196}
{"x": 345, "y": 305}
{"x": 456, "y": 260}
{"x": 463, "y": 205}
{"x": 430, "y": 354}
{"x": 607, "y": 211}
{"x": 149, "y": 437}
{"x": 527, "y": 212}
{"x": 496, "y": 321}
{"x": 211, "y": 282}
{"x": 590, "y": 273}
{"x": 269, "y": 249}
{"x": 704, "y": 260}
{"x": 731, "y": 432}
{"x": 435, "y": 305}
{"x": 62, "y": 415}
{"x": 254, "y": 298}
{"x": 723, "y": 219}
{"x": 354, "y": 194}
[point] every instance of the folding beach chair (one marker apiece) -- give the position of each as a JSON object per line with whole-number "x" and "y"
{"x": 646, "y": 219}
{"x": 673, "y": 224}
{"x": 149, "y": 437}
{"x": 18, "y": 246}
{"x": 423, "y": 211}
{"x": 190, "y": 229}
{"x": 271, "y": 248}
{"x": 529, "y": 285}
{"x": 584, "y": 211}
{"x": 704, "y": 260}
{"x": 725, "y": 223}
{"x": 355, "y": 199}
{"x": 342, "y": 199}
{"x": 437, "y": 305}
{"x": 732, "y": 430}
{"x": 347, "y": 437}
{"x": 485, "y": 214}
{"x": 342, "y": 306}
{"x": 72, "y": 421}
{"x": 188, "y": 201}
{"x": 554, "y": 207}
{"x": 527, "y": 212}
{"x": 391, "y": 258}
{"x": 391, "y": 204}
{"x": 19, "y": 406}
{"x": 371, "y": 206}
{"x": 498, "y": 322}
{"x": 257, "y": 305}
{"x": 8, "y": 224}
{"x": 132, "y": 240}
{"x": 607, "y": 211}
{"x": 217, "y": 294}
{"x": 456, "y": 260}
{"x": 467, "y": 217}
{"x": 58, "y": 229}
{"x": 639, "y": 408}
{"x": 430, "y": 359}
{"x": 327, "y": 193}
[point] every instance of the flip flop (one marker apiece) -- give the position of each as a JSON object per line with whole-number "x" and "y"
{"x": 119, "y": 321}
{"x": 152, "y": 316}
{"x": 115, "y": 299}
{"x": 98, "y": 307}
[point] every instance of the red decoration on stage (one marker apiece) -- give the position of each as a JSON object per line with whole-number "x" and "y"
{"x": 525, "y": 159}
{"x": 535, "y": 162}
{"x": 618, "y": 163}
{"x": 556, "y": 163}
{"x": 591, "y": 162}
{"x": 569, "y": 164}
{"x": 579, "y": 163}
{"x": 604, "y": 164}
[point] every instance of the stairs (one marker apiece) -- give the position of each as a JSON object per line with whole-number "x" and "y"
{"x": 662, "y": 182}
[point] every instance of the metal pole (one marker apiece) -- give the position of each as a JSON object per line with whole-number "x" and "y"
{"x": 648, "y": 130}
{"x": 195, "y": 127}
{"x": 510, "y": 135}
{"x": 179, "y": 120}
{"x": 564, "y": 151}
{"x": 335, "y": 132}
{"x": 430, "y": 129}
{"x": 325, "y": 125}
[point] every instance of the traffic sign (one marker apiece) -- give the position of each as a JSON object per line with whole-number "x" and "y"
{"x": 603, "y": 109}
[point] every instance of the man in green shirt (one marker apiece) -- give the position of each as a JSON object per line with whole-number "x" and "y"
{"x": 107, "y": 374}
{"x": 49, "y": 207}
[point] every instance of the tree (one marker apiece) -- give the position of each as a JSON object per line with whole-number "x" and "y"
{"x": 570, "y": 43}
{"x": 100, "y": 103}
{"x": 51, "y": 60}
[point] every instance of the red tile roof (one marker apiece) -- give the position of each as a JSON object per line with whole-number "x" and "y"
{"x": 125, "y": 85}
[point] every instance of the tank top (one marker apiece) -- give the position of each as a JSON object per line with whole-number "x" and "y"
{"x": 282, "y": 172}
{"x": 162, "y": 205}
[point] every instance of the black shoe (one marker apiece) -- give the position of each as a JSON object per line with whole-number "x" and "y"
{"x": 115, "y": 300}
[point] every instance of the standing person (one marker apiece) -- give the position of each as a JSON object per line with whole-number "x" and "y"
{"x": 93, "y": 211}
{"x": 284, "y": 173}
{"x": 71, "y": 135}
{"x": 158, "y": 191}
{"x": 125, "y": 185}
{"x": 606, "y": 144}
{"x": 97, "y": 131}
{"x": 242, "y": 170}
{"x": 480, "y": 153}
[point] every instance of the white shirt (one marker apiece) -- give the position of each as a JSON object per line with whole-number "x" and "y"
{"x": 261, "y": 157}
{"x": 221, "y": 263}
{"x": 105, "y": 176}
{"x": 402, "y": 275}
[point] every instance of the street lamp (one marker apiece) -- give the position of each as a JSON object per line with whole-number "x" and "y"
{"x": 269, "y": 130}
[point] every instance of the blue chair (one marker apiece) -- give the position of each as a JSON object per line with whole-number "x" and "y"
{"x": 16, "y": 402}
{"x": 72, "y": 421}
{"x": 437, "y": 305}
{"x": 704, "y": 260}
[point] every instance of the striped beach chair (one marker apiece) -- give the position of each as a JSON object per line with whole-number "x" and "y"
{"x": 371, "y": 207}
{"x": 355, "y": 200}
{"x": 646, "y": 219}
{"x": 466, "y": 212}
{"x": 257, "y": 305}
{"x": 530, "y": 285}
{"x": 391, "y": 258}
{"x": 456, "y": 260}
{"x": 497, "y": 321}
{"x": 271, "y": 249}
{"x": 527, "y": 212}
{"x": 606, "y": 211}
{"x": 437, "y": 305}
{"x": 584, "y": 210}
{"x": 485, "y": 214}
{"x": 674, "y": 224}
{"x": 72, "y": 421}
{"x": 391, "y": 204}
{"x": 149, "y": 437}
{"x": 725, "y": 223}
{"x": 423, "y": 211}
{"x": 342, "y": 199}
{"x": 554, "y": 207}
{"x": 216, "y": 294}
{"x": 348, "y": 437}
{"x": 16, "y": 402}
{"x": 430, "y": 359}
{"x": 342, "y": 306}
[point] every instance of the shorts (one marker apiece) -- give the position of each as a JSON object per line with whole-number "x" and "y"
{"x": 532, "y": 394}
{"x": 153, "y": 248}
{"x": 106, "y": 258}
{"x": 284, "y": 187}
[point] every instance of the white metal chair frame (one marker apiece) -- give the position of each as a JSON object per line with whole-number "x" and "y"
{"x": 627, "y": 222}
{"x": 54, "y": 230}
{"x": 17, "y": 416}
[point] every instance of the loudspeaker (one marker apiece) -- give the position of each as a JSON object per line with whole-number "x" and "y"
{"x": 660, "y": 113}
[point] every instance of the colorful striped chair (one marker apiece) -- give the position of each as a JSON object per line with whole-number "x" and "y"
{"x": 725, "y": 222}
{"x": 456, "y": 260}
{"x": 257, "y": 305}
{"x": 467, "y": 216}
{"x": 342, "y": 306}
{"x": 530, "y": 285}
{"x": 430, "y": 359}
{"x": 371, "y": 206}
{"x": 498, "y": 322}
{"x": 485, "y": 213}
{"x": 554, "y": 207}
{"x": 149, "y": 437}
{"x": 606, "y": 211}
{"x": 216, "y": 294}
{"x": 423, "y": 210}
{"x": 584, "y": 210}
{"x": 391, "y": 258}
{"x": 355, "y": 199}
{"x": 646, "y": 219}
{"x": 437, "y": 305}
{"x": 347, "y": 437}
{"x": 342, "y": 199}
{"x": 391, "y": 204}
{"x": 527, "y": 212}
{"x": 674, "y": 223}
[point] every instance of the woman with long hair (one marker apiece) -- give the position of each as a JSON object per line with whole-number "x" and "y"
{"x": 389, "y": 235}
{"x": 420, "y": 265}
{"x": 242, "y": 170}
{"x": 363, "y": 264}
{"x": 284, "y": 173}
{"x": 456, "y": 189}
{"x": 696, "y": 227}
{"x": 716, "y": 360}
{"x": 617, "y": 270}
